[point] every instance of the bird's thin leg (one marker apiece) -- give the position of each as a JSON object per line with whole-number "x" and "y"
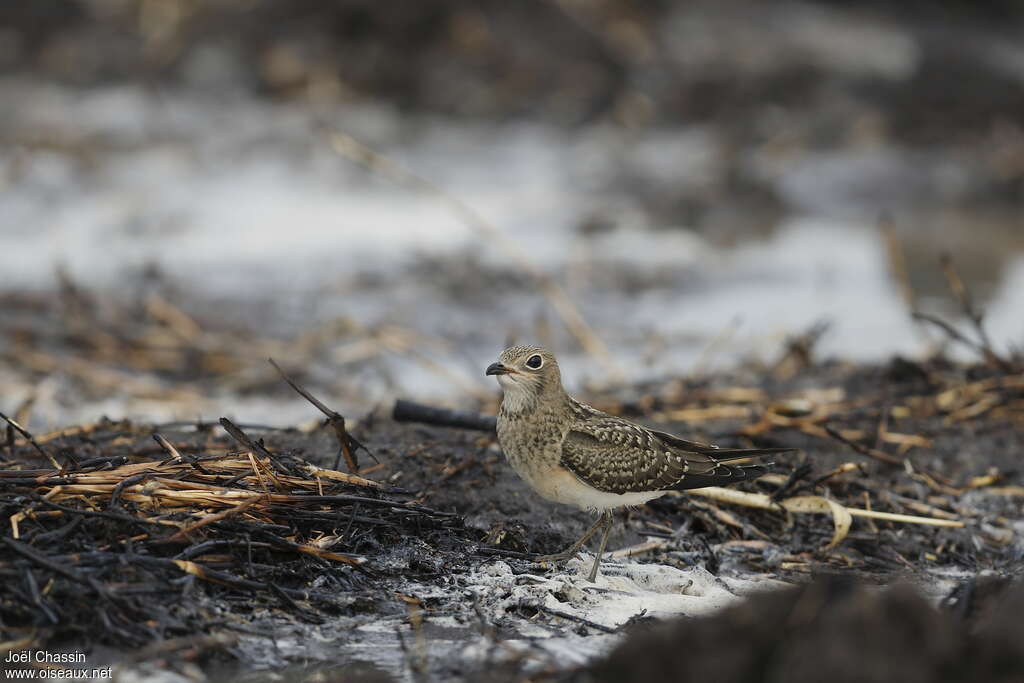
{"x": 607, "y": 520}
{"x": 572, "y": 550}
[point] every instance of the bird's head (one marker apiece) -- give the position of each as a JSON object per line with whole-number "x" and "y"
{"x": 527, "y": 373}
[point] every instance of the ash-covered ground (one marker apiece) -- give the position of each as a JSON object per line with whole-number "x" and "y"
{"x": 430, "y": 576}
{"x": 380, "y": 197}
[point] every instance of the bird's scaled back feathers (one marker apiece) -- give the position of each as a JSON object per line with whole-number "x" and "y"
{"x": 615, "y": 455}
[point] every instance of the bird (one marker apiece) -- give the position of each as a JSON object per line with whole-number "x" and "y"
{"x": 571, "y": 453}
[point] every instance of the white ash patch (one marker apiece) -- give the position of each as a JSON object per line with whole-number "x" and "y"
{"x": 623, "y": 590}
{"x": 592, "y": 611}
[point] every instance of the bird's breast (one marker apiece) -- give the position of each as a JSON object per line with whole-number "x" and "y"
{"x": 532, "y": 445}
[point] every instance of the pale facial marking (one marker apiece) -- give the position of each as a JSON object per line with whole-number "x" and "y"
{"x": 508, "y": 382}
{"x": 517, "y": 395}
{"x": 528, "y": 375}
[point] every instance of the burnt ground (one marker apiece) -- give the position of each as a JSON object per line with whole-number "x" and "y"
{"x": 161, "y": 557}
{"x": 938, "y": 474}
{"x": 118, "y": 566}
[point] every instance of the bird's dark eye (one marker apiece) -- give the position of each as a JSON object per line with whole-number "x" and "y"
{"x": 534, "y": 362}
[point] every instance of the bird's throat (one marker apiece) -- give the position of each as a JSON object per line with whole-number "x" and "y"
{"x": 518, "y": 401}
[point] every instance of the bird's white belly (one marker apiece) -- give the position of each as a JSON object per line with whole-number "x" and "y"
{"x": 562, "y": 486}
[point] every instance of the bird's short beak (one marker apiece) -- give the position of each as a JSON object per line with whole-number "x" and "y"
{"x": 496, "y": 369}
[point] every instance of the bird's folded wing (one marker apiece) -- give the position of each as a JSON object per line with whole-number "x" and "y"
{"x": 617, "y": 456}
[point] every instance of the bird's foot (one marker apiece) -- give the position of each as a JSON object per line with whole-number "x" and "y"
{"x": 563, "y": 556}
{"x": 568, "y": 555}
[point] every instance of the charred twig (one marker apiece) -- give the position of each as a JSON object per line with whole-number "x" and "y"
{"x": 800, "y": 350}
{"x": 182, "y": 535}
{"x": 204, "y": 547}
{"x": 42, "y": 560}
{"x": 842, "y": 469}
{"x": 8, "y": 443}
{"x": 28, "y": 437}
{"x": 129, "y": 481}
{"x": 577, "y": 619}
{"x": 37, "y": 597}
{"x": 408, "y": 411}
{"x": 799, "y": 472}
{"x": 294, "y": 607}
{"x": 501, "y": 552}
{"x": 175, "y": 454}
{"x": 862, "y": 449}
{"x": 224, "y": 578}
{"x": 951, "y": 332}
{"x": 963, "y": 296}
{"x": 348, "y": 445}
{"x": 102, "y": 462}
{"x": 983, "y": 345}
{"x": 101, "y": 513}
{"x": 200, "y": 426}
{"x": 635, "y": 619}
{"x": 59, "y": 533}
{"x": 241, "y": 437}
{"x": 167, "y": 446}
{"x": 276, "y": 540}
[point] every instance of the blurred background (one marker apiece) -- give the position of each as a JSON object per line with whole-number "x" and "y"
{"x": 381, "y": 195}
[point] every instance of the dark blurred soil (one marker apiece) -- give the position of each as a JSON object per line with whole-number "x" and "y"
{"x": 831, "y": 630}
{"x": 922, "y": 101}
{"x": 546, "y": 59}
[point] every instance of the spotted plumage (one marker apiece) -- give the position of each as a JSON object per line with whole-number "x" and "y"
{"x": 572, "y": 453}
{"x": 618, "y": 456}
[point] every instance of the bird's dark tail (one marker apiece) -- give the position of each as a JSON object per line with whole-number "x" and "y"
{"x": 723, "y": 475}
{"x": 727, "y": 454}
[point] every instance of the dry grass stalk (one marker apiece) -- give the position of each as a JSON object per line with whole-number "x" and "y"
{"x": 841, "y": 515}
{"x": 351, "y": 149}
{"x": 638, "y": 549}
